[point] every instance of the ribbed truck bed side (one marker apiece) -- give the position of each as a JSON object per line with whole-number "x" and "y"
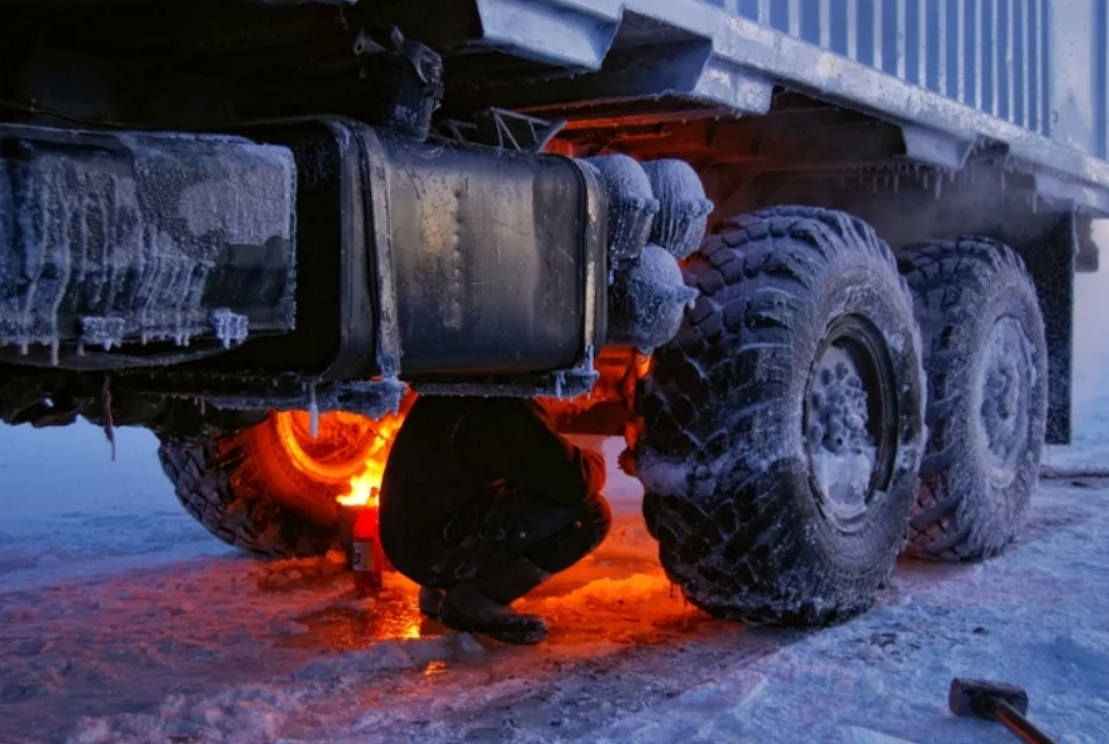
{"x": 1030, "y": 74}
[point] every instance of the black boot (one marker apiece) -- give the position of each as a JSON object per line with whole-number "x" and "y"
{"x": 431, "y": 601}
{"x": 468, "y": 610}
{"x": 482, "y": 605}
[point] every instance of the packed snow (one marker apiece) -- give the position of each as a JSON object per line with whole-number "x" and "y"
{"x": 121, "y": 620}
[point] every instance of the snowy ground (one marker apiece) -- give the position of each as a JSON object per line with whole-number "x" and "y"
{"x": 122, "y": 621}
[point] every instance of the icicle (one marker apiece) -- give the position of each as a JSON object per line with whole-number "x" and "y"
{"x": 938, "y": 192}
{"x": 55, "y": 345}
{"x": 313, "y": 412}
{"x": 109, "y": 424}
{"x": 203, "y": 407}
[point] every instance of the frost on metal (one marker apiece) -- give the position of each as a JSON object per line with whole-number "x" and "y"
{"x": 657, "y": 216}
{"x": 371, "y": 398}
{"x": 647, "y": 300}
{"x": 683, "y": 212}
{"x": 108, "y": 239}
{"x": 843, "y": 451}
{"x": 230, "y": 328}
{"x": 632, "y": 205}
{"x": 102, "y": 332}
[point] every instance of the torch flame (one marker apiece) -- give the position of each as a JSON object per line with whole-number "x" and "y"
{"x": 344, "y": 451}
{"x": 365, "y": 487}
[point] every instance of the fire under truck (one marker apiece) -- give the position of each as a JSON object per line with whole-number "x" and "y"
{"x": 813, "y": 260}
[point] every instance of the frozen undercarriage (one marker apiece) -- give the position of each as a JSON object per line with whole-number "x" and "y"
{"x": 259, "y": 228}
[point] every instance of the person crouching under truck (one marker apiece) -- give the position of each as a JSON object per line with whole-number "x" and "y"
{"x": 481, "y": 502}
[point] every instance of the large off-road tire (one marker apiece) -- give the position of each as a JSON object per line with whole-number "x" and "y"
{"x": 986, "y": 357}
{"x": 271, "y": 489}
{"x": 802, "y": 342}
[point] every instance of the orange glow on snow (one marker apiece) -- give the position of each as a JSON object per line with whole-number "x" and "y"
{"x": 412, "y": 629}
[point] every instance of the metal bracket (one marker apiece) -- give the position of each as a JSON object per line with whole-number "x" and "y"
{"x": 506, "y": 130}
{"x": 371, "y": 398}
{"x": 411, "y": 78}
{"x": 568, "y": 383}
{"x": 377, "y": 216}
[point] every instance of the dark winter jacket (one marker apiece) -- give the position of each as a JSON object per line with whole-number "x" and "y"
{"x": 452, "y": 451}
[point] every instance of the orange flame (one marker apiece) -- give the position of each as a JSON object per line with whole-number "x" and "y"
{"x": 345, "y": 452}
{"x": 365, "y": 487}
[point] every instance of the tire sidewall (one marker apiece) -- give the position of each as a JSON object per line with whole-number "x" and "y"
{"x": 1011, "y": 295}
{"x": 861, "y": 284}
{"x": 730, "y": 493}
{"x": 274, "y": 472}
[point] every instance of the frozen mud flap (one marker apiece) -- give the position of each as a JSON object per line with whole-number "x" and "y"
{"x": 160, "y": 241}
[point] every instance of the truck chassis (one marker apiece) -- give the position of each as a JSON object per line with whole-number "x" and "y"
{"x": 829, "y": 311}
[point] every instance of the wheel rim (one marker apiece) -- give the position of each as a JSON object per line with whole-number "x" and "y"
{"x": 1004, "y": 389}
{"x": 338, "y": 452}
{"x": 850, "y": 421}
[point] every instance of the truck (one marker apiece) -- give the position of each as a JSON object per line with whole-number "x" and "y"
{"x": 813, "y": 259}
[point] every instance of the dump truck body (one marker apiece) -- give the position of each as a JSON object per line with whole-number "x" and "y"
{"x": 1029, "y": 74}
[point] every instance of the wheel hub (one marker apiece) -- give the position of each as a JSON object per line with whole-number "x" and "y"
{"x": 1005, "y": 388}
{"x": 849, "y": 436}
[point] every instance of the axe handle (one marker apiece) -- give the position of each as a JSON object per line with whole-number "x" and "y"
{"x": 1020, "y": 726}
